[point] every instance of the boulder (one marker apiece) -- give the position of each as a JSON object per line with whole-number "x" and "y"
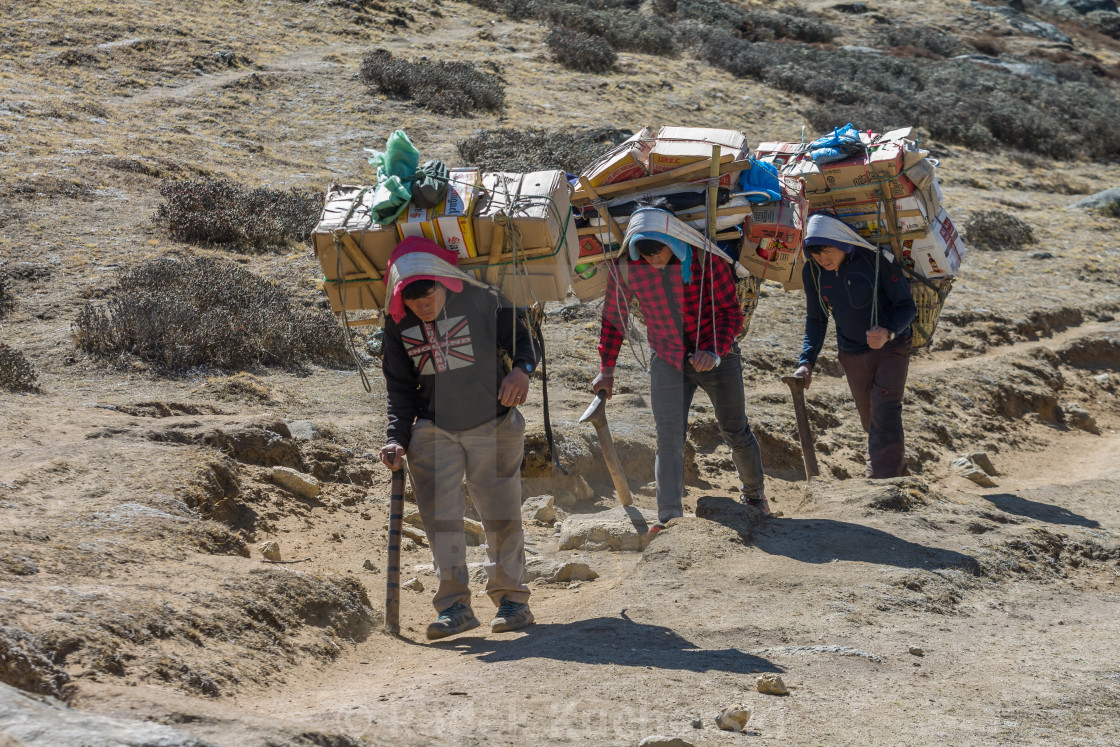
{"x": 1078, "y": 417}
{"x": 555, "y": 571}
{"x": 540, "y": 508}
{"x": 270, "y": 550}
{"x": 733, "y": 718}
{"x": 619, "y": 528}
{"x": 771, "y": 684}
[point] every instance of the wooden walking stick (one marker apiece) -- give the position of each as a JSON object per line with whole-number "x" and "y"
{"x": 393, "y": 561}
{"x": 808, "y": 453}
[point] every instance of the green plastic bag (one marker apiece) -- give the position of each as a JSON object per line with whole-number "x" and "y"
{"x": 398, "y": 162}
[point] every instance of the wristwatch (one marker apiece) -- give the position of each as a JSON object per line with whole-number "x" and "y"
{"x": 526, "y": 366}
{"x": 890, "y": 335}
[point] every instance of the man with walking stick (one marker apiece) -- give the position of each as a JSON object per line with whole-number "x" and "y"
{"x": 452, "y": 409}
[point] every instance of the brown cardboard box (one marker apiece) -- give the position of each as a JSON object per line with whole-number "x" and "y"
{"x": 374, "y": 242}
{"x": 939, "y": 253}
{"x": 771, "y": 261}
{"x": 589, "y": 276}
{"x": 630, "y": 160}
{"x": 680, "y": 146}
{"x": 539, "y": 206}
{"x": 781, "y": 221}
{"x": 854, "y": 180}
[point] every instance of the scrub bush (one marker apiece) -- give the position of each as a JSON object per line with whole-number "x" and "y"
{"x": 453, "y": 88}
{"x": 576, "y": 50}
{"x": 181, "y": 314}
{"x": 215, "y": 211}
{"x": 996, "y": 230}
{"x": 534, "y": 149}
{"x": 16, "y": 374}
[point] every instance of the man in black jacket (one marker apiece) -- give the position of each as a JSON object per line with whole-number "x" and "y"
{"x": 452, "y": 407}
{"x": 870, "y": 299}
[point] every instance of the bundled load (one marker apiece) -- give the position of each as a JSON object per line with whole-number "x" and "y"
{"x": 692, "y": 172}
{"x": 883, "y": 187}
{"x": 513, "y": 231}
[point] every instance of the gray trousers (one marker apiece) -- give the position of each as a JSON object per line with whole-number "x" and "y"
{"x": 489, "y": 456}
{"x": 877, "y": 380}
{"x": 671, "y": 392}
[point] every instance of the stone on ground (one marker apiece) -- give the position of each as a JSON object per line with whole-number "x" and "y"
{"x": 981, "y": 460}
{"x": 1079, "y": 417}
{"x": 301, "y": 484}
{"x": 413, "y": 584}
{"x": 657, "y": 740}
{"x": 620, "y": 528}
{"x": 556, "y": 571}
{"x": 733, "y": 718}
{"x": 540, "y": 508}
{"x": 772, "y": 684}
{"x": 270, "y": 550}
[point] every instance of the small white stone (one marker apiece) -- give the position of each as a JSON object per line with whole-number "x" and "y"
{"x": 734, "y": 718}
{"x": 772, "y": 684}
{"x": 413, "y": 584}
{"x": 270, "y": 550}
{"x": 298, "y": 482}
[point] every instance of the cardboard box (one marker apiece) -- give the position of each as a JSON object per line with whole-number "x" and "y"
{"x": 630, "y": 160}
{"x": 589, "y": 276}
{"x": 779, "y": 153}
{"x": 781, "y": 221}
{"x": 454, "y": 225}
{"x": 854, "y": 180}
{"x": 869, "y": 218}
{"x": 939, "y": 253}
{"x": 347, "y": 208}
{"x": 771, "y": 260}
{"x": 416, "y": 221}
{"x": 795, "y": 282}
{"x": 539, "y": 205}
{"x": 680, "y": 146}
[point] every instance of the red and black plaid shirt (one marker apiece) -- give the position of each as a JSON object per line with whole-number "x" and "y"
{"x": 672, "y": 309}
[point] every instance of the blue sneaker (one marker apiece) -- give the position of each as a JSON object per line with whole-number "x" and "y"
{"x": 511, "y": 616}
{"x": 455, "y": 619}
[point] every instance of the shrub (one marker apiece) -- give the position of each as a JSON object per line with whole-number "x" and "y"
{"x": 6, "y": 300}
{"x": 1057, "y": 111}
{"x": 924, "y": 38}
{"x": 180, "y": 314}
{"x": 752, "y": 25}
{"x": 454, "y": 88}
{"x": 1105, "y": 22}
{"x": 16, "y": 374}
{"x": 534, "y": 149}
{"x": 576, "y": 50}
{"x": 996, "y": 230}
{"x": 623, "y": 30}
{"x": 215, "y": 211}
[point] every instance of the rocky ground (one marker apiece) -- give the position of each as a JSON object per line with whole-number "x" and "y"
{"x": 136, "y": 600}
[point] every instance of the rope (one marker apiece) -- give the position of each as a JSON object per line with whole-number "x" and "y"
{"x": 345, "y": 318}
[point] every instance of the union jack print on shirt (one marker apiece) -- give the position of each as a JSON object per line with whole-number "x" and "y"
{"x": 439, "y": 346}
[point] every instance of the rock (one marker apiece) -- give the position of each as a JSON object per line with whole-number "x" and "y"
{"x": 541, "y": 508}
{"x": 413, "y": 584}
{"x": 302, "y": 430}
{"x": 270, "y": 550}
{"x": 1079, "y": 417}
{"x": 657, "y": 740}
{"x": 981, "y": 460}
{"x": 916, "y": 651}
{"x": 1107, "y": 202}
{"x": 369, "y": 566}
{"x": 771, "y": 684}
{"x": 980, "y": 477}
{"x": 697, "y": 723}
{"x": 734, "y": 718}
{"x": 962, "y": 464}
{"x": 620, "y": 528}
{"x": 413, "y": 534}
{"x": 39, "y": 720}
{"x": 570, "y": 491}
{"x": 301, "y": 484}
{"x": 408, "y": 544}
{"x": 555, "y": 571}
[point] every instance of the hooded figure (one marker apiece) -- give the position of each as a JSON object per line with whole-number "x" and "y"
{"x": 453, "y": 407}
{"x": 869, "y": 298}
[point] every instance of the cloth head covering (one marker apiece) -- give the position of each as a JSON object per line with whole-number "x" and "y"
{"x": 417, "y": 258}
{"x": 661, "y": 225}
{"x": 825, "y": 230}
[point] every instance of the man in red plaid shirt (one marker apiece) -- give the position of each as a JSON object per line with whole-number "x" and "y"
{"x": 693, "y": 318}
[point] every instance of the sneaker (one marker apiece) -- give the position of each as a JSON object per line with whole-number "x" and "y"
{"x": 455, "y": 619}
{"x": 511, "y": 616}
{"x": 759, "y": 504}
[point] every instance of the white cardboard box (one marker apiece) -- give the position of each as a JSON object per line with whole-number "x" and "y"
{"x": 939, "y": 253}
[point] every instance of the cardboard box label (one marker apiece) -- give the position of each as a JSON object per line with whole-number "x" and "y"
{"x": 629, "y": 161}
{"x": 454, "y": 225}
{"x": 940, "y": 252}
{"x": 416, "y": 221}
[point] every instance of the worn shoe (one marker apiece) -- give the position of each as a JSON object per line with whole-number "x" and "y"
{"x": 759, "y": 504}
{"x": 511, "y": 616}
{"x": 654, "y": 530}
{"x": 455, "y": 619}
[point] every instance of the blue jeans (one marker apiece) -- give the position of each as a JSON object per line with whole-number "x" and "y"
{"x": 671, "y": 392}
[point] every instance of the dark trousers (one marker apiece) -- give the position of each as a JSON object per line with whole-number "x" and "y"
{"x": 877, "y": 379}
{"x": 671, "y": 392}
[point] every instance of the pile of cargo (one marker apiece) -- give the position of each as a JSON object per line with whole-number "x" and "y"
{"x": 515, "y": 231}
{"x": 886, "y": 190}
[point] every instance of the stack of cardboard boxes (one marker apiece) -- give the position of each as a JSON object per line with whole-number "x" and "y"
{"x": 514, "y": 231}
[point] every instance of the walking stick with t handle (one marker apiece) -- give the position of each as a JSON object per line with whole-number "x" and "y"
{"x": 393, "y": 561}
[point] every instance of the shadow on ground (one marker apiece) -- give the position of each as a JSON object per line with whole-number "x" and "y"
{"x": 1048, "y": 512}
{"x": 826, "y": 540}
{"x": 613, "y": 640}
